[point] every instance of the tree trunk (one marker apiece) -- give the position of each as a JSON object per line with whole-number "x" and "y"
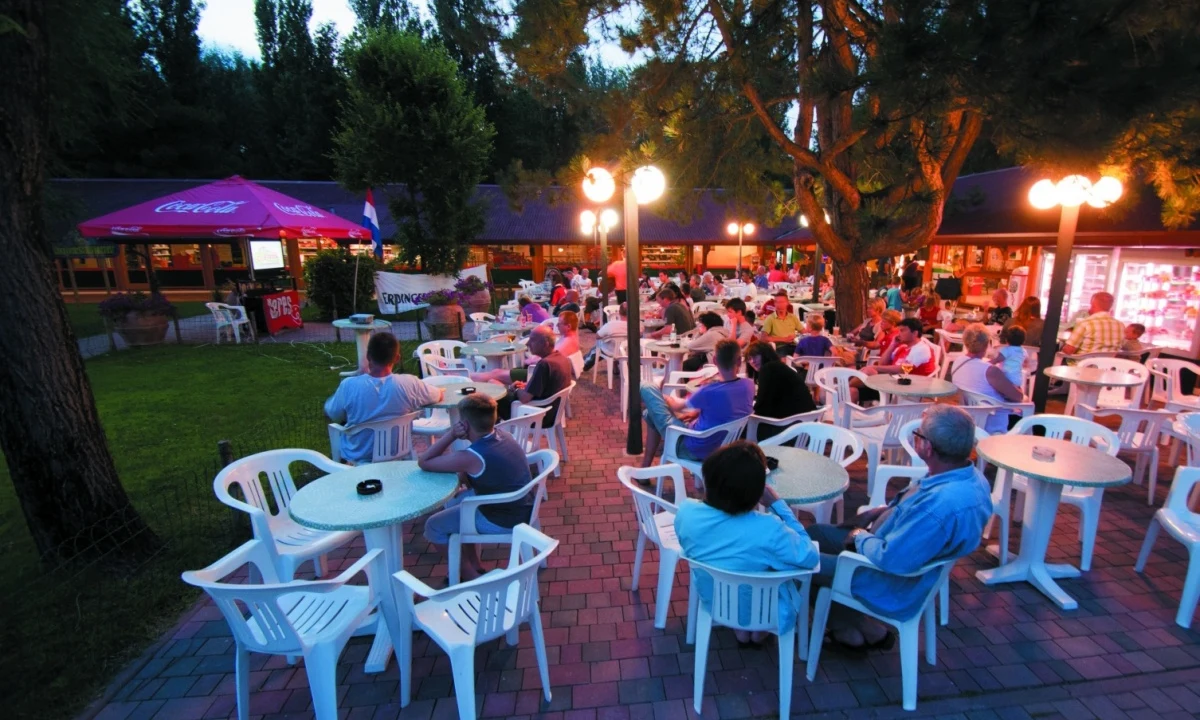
{"x": 850, "y": 291}
{"x": 50, "y": 431}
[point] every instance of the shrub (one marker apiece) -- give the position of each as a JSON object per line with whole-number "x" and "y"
{"x": 329, "y": 277}
{"x": 472, "y": 284}
{"x": 117, "y": 306}
{"x": 440, "y": 297}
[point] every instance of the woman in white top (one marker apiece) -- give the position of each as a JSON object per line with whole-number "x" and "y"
{"x": 973, "y": 373}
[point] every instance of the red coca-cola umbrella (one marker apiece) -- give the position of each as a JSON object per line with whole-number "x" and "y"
{"x": 230, "y": 208}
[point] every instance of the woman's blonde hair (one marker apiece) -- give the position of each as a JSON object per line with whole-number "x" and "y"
{"x": 892, "y": 317}
{"x": 878, "y": 306}
{"x": 975, "y": 338}
{"x": 932, "y": 300}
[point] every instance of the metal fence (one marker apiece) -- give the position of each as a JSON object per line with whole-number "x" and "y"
{"x": 68, "y": 629}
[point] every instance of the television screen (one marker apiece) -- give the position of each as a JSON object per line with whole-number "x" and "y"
{"x": 266, "y": 254}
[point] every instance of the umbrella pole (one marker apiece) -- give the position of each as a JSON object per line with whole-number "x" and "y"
{"x": 354, "y": 294}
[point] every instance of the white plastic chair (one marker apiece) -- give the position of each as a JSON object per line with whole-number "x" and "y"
{"x": 840, "y": 592}
{"x": 436, "y": 421}
{"x": 1165, "y": 384}
{"x": 314, "y": 619}
{"x": 971, "y": 399}
{"x": 947, "y": 360}
{"x": 755, "y": 421}
{"x": 677, "y": 381}
{"x": 656, "y": 524}
{"x": 812, "y": 364}
{"x": 946, "y": 339}
{"x": 288, "y": 543}
{"x": 556, "y": 435}
{"x": 546, "y": 461}
{"x": 654, "y": 370}
{"x": 1182, "y": 524}
{"x": 525, "y": 426}
{"x": 700, "y": 308}
{"x": 483, "y": 324}
{"x": 726, "y": 607}
{"x": 438, "y": 357}
{"x": 1138, "y": 435}
{"x": 232, "y": 317}
{"x": 838, "y": 444}
{"x": 883, "y": 438}
{"x": 609, "y": 360}
{"x": 728, "y": 432}
{"x": 462, "y": 617}
{"x": 392, "y": 438}
{"x": 1088, "y": 500}
{"x": 1117, "y": 397}
{"x": 835, "y": 385}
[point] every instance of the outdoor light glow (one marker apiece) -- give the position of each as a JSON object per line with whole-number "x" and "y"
{"x": 1105, "y": 192}
{"x": 598, "y": 185}
{"x": 748, "y": 228}
{"x": 1073, "y": 190}
{"x": 587, "y": 219}
{"x": 1043, "y": 195}
{"x": 648, "y": 184}
{"x": 608, "y": 219}
{"x": 732, "y": 228}
{"x": 804, "y": 218}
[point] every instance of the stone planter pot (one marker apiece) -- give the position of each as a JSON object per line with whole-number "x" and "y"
{"x": 138, "y": 328}
{"x": 477, "y": 302}
{"x": 445, "y": 322}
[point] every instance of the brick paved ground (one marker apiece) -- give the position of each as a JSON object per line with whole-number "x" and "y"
{"x": 1007, "y": 653}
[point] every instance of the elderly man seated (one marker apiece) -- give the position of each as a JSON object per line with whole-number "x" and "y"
{"x": 377, "y": 395}
{"x": 551, "y": 375}
{"x": 724, "y": 399}
{"x": 939, "y": 517}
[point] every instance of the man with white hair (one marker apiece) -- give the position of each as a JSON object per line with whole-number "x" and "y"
{"x": 1000, "y": 312}
{"x": 581, "y": 281}
{"x": 1099, "y": 332}
{"x": 939, "y": 517}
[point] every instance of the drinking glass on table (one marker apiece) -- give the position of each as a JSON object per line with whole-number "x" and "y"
{"x": 906, "y": 367}
{"x": 837, "y": 331}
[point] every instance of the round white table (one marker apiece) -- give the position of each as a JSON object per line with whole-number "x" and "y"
{"x": 513, "y": 328}
{"x": 362, "y": 335}
{"x": 921, "y": 387}
{"x": 1087, "y": 382}
{"x": 674, "y": 355}
{"x": 804, "y": 477}
{"x": 333, "y": 503}
{"x": 497, "y": 354}
{"x": 1073, "y": 464}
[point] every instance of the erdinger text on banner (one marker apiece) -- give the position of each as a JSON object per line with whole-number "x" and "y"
{"x": 397, "y": 292}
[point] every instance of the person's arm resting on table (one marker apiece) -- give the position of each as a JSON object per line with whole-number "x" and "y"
{"x": 1072, "y": 345}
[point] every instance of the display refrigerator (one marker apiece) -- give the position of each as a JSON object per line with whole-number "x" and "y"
{"x": 1087, "y": 274}
{"x": 1162, "y": 292}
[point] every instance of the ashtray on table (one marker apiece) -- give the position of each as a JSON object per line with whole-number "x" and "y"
{"x": 904, "y": 381}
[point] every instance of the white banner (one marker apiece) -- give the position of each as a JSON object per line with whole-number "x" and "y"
{"x": 398, "y": 292}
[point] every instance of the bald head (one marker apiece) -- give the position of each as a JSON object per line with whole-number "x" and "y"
{"x": 1102, "y": 302}
{"x": 541, "y": 341}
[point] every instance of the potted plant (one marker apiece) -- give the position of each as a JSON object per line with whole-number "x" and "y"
{"x": 139, "y": 319}
{"x": 445, "y": 318}
{"x": 475, "y": 294}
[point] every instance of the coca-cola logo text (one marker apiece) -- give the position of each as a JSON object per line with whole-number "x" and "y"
{"x": 126, "y": 230}
{"x": 299, "y": 210}
{"x": 309, "y": 231}
{"x": 231, "y": 232}
{"x": 216, "y": 207}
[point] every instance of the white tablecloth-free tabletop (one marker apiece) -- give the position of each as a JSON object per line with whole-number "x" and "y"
{"x": 804, "y": 477}
{"x": 1076, "y": 465}
{"x": 674, "y": 354}
{"x": 498, "y": 354}
{"x": 921, "y": 387}
{"x": 1087, "y": 382}
{"x": 333, "y": 503}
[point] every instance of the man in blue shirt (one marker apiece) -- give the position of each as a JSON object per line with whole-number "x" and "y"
{"x": 939, "y": 517}
{"x": 724, "y": 398}
{"x": 894, "y": 299}
{"x": 760, "y": 278}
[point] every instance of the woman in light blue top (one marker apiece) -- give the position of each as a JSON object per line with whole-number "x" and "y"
{"x": 726, "y": 531}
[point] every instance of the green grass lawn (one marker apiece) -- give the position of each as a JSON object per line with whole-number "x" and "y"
{"x": 164, "y": 409}
{"x": 86, "y": 320}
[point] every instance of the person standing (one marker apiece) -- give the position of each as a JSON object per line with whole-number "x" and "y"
{"x": 616, "y": 271}
{"x": 911, "y": 275}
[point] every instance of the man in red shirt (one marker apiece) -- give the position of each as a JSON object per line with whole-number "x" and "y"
{"x": 616, "y": 271}
{"x": 908, "y": 347}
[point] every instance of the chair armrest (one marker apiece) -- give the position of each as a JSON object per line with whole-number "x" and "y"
{"x": 371, "y": 563}
{"x": 849, "y": 562}
{"x": 336, "y": 432}
{"x": 412, "y": 585}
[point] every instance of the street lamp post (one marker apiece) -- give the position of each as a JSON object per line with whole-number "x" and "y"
{"x": 646, "y": 186}
{"x": 598, "y": 226}
{"x": 1068, "y": 193}
{"x": 740, "y": 229}
{"x": 599, "y": 186}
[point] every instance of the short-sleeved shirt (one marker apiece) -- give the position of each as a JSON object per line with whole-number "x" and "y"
{"x": 762, "y": 281}
{"x": 813, "y": 345}
{"x": 745, "y": 330}
{"x": 786, "y": 326}
{"x": 363, "y": 399}
{"x": 921, "y": 355}
{"x": 894, "y": 299}
{"x": 616, "y": 269}
{"x": 551, "y": 375}
{"x": 534, "y": 312}
{"x": 718, "y": 402}
{"x": 679, "y": 317}
{"x": 1099, "y": 332}
{"x": 1000, "y": 315}
{"x": 698, "y": 294}
{"x": 505, "y": 470}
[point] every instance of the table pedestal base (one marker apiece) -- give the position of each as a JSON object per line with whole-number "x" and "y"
{"x": 396, "y": 620}
{"x": 1030, "y": 564}
{"x": 361, "y": 338}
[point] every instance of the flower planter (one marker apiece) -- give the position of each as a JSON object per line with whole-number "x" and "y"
{"x": 445, "y": 322}
{"x": 140, "y": 328}
{"x": 477, "y": 302}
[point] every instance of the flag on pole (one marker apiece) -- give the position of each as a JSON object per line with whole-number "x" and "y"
{"x": 371, "y": 222}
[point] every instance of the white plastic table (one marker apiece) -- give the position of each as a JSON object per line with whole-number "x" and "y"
{"x": 362, "y": 335}
{"x": 921, "y": 387}
{"x": 1073, "y": 464}
{"x": 674, "y": 354}
{"x": 1089, "y": 381}
{"x": 333, "y": 503}
{"x": 515, "y": 328}
{"x": 804, "y": 477}
{"x": 497, "y": 354}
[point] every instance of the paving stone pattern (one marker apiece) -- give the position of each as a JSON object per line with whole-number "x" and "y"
{"x": 1007, "y": 653}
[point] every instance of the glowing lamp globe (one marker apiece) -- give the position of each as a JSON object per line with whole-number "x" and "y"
{"x": 1073, "y": 190}
{"x": 1105, "y": 192}
{"x": 748, "y": 228}
{"x": 608, "y": 219}
{"x": 804, "y": 221}
{"x": 1043, "y": 195}
{"x": 587, "y": 218}
{"x": 731, "y": 228}
{"x": 598, "y": 184}
{"x": 648, "y": 184}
